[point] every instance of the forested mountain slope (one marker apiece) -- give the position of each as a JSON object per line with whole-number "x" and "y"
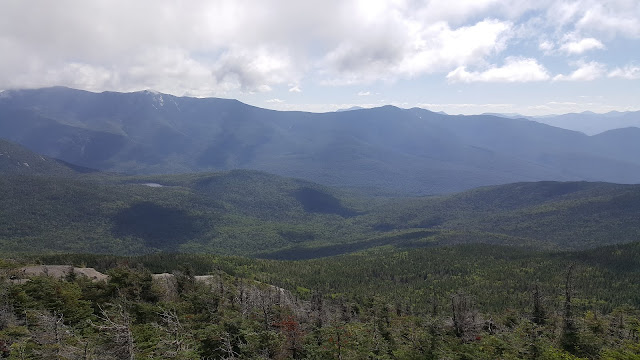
{"x": 253, "y": 213}
{"x": 383, "y": 150}
{"x": 461, "y": 302}
{"x": 15, "y": 159}
{"x": 239, "y": 212}
{"x": 569, "y": 214}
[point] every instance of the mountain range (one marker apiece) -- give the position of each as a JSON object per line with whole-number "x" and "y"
{"x": 384, "y": 150}
{"x": 406, "y": 271}
{"x": 591, "y": 123}
{"x": 587, "y": 122}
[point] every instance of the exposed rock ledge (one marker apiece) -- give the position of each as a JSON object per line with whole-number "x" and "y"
{"x": 62, "y": 271}
{"x": 56, "y": 271}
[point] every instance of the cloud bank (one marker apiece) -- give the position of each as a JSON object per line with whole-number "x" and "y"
{"x": 514, "y": 70}
{"x": 217, "y": 48}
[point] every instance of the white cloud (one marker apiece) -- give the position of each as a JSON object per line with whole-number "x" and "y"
{"x": 231, "y": 47}
{"x": 546, "y": 46}
{"x": 585, "y": 72}
{"x": 514, "y": 70}
{"x": 611, "y": 17}
{"x": 442, "y": 10}
{"x": 590, "y": 17}
{"x": 205, "y": 48}
{"x": 277, "y": 101}
{"x": 253, "y": 69}
{"x": 364, "y": 93}
{"x": 581, "y": 46}
{"x": 239, "y": 45}
{"x": 469, "y": 108}
{"x": 629, "y": 72}
{"x": 553, "y": 107}
{"x": 561, "y": 13}
{"x": 264, "y": 88}
{"x": 438, "y": 46}
{"x": 416, "y": 50}
{"x": 84, "y": 76}
{"x": 564, "y": 107}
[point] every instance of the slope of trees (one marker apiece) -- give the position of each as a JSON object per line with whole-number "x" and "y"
{"x": 491, "y": 303}
{"x": 257, "y": 214}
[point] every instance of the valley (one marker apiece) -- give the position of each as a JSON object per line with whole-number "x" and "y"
{"x": 234, "y": 262}
{"x": 244, "y": 212}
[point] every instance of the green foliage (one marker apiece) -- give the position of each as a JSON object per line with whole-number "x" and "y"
{"x": 382, "y": 304}
{"x": 394, "y": 292}
{"x": 15, "y": 159}
{"x": 44, "y": 293}
{"x": 257, "y": 214}
{"x": 131, "y": 285}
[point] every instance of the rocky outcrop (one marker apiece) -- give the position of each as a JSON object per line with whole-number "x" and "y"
{"x": 56, "y": 271}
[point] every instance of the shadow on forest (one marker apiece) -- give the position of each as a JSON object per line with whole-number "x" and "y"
{"x": 315, "y": 201}
{"x": 160, "y": 227}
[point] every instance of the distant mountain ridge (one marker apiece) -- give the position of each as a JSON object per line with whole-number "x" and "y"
{"x": 594, "y": 123}
{"x": 586, "y": 122}
{"x": 381, "y": 150}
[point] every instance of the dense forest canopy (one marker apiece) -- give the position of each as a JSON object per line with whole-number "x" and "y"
{"x": 460, "y": 302}
{"x": 253, "y": 213}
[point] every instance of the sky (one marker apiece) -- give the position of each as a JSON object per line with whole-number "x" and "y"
{"x": 459, "y": 56}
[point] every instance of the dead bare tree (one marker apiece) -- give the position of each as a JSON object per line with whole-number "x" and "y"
{"x": 464, "y": 316}
{"x": 176, "y": 342}
{"x": 117, "y": 325}
{"x": 227, "y": 347}
{"x": 52, "y": 335}
{"x": 265, "y": 304}
{"x": 49, "y": 332}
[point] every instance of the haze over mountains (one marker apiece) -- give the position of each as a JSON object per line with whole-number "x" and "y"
{"x": 586, "y": 122}
{"x": 381, "y": 150}
{"x": 591, "y": 123}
